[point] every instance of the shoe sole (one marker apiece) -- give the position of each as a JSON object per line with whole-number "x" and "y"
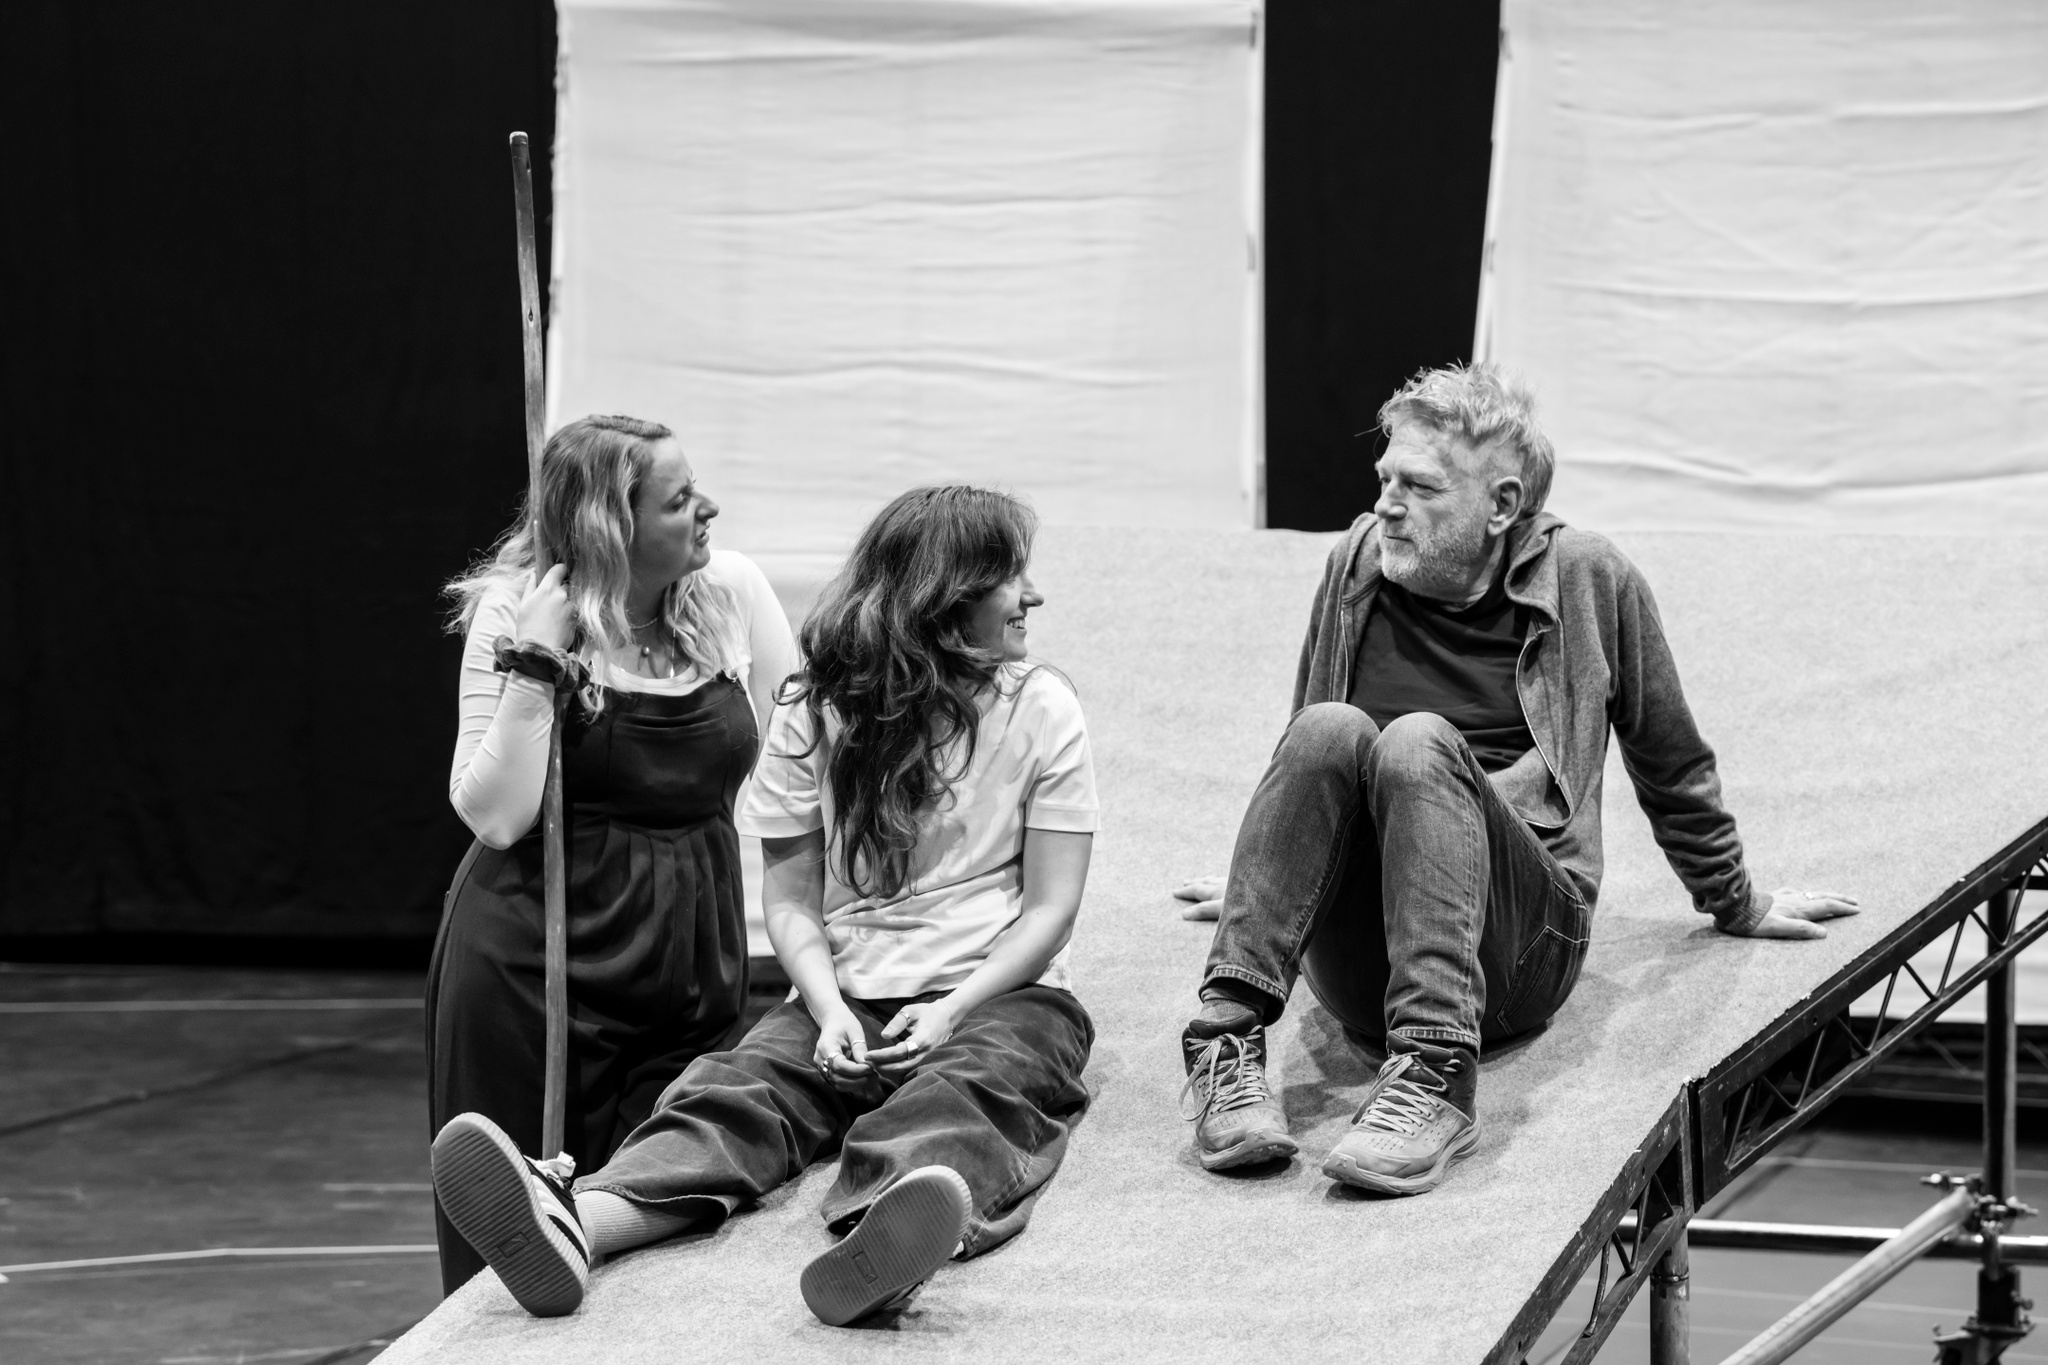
{"x": 483, "y": 1185}
{"x": 906, "y": 1235}
{"x": 1347, "y": 1170}
{"x": 1264, "y": 1147}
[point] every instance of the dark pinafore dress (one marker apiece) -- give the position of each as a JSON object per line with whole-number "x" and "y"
{"x": 657, "y": 933}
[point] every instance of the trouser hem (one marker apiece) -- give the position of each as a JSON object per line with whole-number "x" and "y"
{"x": 1265, "y": 985}
{"x": 1444, "y": 1036}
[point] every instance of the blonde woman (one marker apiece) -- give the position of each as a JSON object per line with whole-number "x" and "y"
{"x": 674, "y": 651}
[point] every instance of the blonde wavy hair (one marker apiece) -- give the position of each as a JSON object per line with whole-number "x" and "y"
{"x": 590, "y": 476}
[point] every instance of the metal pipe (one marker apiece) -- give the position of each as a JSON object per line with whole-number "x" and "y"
{"x": 1671, "y": 1306}
{"x": 1858, "y": 1282}
{"x": 1824, "y": 1239}
{"x": 2001, "y": 1051}
{"x": 2000, "y": 1318}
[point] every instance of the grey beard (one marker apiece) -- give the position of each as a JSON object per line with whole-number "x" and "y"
{"x": 1439, "y": 565}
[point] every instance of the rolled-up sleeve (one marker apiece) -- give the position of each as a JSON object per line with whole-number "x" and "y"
{"x": 1062, "y": 794}
{"x": 783, "y": 799}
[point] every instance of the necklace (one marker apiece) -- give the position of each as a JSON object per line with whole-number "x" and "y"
{"x": 647, "y": 650}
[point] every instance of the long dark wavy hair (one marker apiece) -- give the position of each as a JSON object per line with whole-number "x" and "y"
{"x": 887, "y": 648}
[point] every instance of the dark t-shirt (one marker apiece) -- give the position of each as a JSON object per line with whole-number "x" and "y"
{"x": 1459, "y": 662}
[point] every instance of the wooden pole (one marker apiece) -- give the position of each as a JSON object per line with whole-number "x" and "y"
{"x": 555, "y": 890}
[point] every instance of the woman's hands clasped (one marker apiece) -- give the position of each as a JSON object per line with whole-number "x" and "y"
{"x": 920, "y": 1027}
{"x": 842, "y": 1052}
{"x": 544, "y": 611}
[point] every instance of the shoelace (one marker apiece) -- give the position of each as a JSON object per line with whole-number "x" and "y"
{"x": 560, "y": 1170}
{"x": 1399, "y": 1105}
{"x": 1223, "y": 1083}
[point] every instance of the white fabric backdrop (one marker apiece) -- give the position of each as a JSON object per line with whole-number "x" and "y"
{"x": 1781, "y": 264}
{"x": 847, "y": 246}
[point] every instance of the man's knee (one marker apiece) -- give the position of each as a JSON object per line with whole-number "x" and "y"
{"x": 1418, "y": 748}
{"x": 1329, "y": 732}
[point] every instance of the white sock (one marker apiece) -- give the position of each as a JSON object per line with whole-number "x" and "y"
{"x": 614, "y": 1223}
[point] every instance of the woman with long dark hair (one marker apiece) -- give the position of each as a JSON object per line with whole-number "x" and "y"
{"x": 674, "y": 651}
{"x": 927, "y": 803}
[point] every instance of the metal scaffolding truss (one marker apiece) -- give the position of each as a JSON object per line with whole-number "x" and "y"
{"x": 1777, "y": 1081}
{"x": 1769, "y": 1088}
{"x": 1634, "y": 1226}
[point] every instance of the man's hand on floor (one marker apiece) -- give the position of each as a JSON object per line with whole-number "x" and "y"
{"x": 1796, "y": 914}
{"x": 1206, "y": 893}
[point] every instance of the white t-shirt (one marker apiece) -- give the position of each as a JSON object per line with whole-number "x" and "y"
{"x": 501, "y": 745}
{"x": 1031, "y": 769}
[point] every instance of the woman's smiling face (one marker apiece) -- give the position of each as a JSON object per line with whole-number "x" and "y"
{"x": 996, "y": 622}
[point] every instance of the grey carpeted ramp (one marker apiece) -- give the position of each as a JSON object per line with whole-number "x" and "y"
{"x": 1879, "y": 709}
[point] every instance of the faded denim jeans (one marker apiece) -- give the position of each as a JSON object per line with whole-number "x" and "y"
{"x": 995, "y": 1102}
{"x": 1384, "y": 865}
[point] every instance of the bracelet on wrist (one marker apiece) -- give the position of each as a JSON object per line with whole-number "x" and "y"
{"x": 560, "y": 670}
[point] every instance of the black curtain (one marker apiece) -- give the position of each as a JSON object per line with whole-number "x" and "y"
{"x": 1378, "y": 136}
{"x": 261, "y": 375}
{"x": 262, "y": 387}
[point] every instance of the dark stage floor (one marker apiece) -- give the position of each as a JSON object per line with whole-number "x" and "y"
{"x": 144, "y": 1118}
{"x": 293, "y": 1124}
{"x": 152, "y": 1111}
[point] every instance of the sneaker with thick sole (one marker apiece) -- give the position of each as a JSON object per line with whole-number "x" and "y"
{"x": 517, "y": 1213}
{"x": 1237, "y": 1120}
{"x": 1406, "y": 1136}
{"x": 908, "y": 1233}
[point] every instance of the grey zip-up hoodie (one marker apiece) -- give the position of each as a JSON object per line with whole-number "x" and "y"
{"x": 1595, "y": 657}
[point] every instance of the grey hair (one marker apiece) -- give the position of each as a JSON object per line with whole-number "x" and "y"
{"x": 1484, "y": 406}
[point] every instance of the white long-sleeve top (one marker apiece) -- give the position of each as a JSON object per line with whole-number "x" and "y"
{"x": 501, "y": 746}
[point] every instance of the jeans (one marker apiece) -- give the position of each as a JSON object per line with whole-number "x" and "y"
{"x": 995, "y": 1102}
{"x": 1384, "y": 865}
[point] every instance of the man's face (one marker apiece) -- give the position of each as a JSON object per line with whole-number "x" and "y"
{"x": 1435, "y": 499}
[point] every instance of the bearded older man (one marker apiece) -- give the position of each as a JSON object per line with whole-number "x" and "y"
{"x": 1425, "y": 844}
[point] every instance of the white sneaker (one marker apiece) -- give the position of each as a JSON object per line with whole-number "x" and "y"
{"x": 518, "y": 1213}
